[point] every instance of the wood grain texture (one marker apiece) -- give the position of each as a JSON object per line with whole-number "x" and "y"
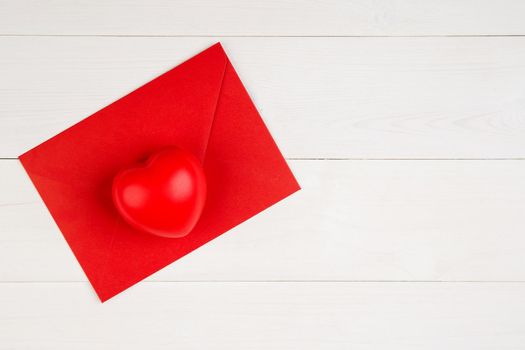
{"x": 321, "y": 97}
{"x": 253, "y": 17}
{"x": 361, "y": 316}
{"x": 353, "y": 220}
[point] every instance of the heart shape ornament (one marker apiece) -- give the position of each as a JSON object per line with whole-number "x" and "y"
{"x": 165, "y": 196}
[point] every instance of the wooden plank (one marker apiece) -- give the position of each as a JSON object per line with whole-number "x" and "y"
{"x": 252, "y": 17}
{"x": 330, "y": 97}
{"x": 353, "y": 220}
{"x": 361, "y": 316}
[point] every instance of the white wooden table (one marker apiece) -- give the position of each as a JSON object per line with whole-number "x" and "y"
{"x": 404, "y": 121}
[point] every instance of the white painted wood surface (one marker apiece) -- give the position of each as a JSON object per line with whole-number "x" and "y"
{"x": 270, "y": 17}
{"x": 409, "y": 230}
{"x": 321, "y": 97}
{"x": 262, "y": 315}
{"x": 353, "y": 220}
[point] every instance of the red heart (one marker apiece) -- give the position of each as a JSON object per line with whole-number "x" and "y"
{"x": 164, "y": 197}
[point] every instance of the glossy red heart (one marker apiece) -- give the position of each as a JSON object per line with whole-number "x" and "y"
{"x": 164, "y": 197}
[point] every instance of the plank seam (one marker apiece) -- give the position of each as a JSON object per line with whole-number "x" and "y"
{"x": 262, "y": 36}
{"x": 284, "y": 281}
{"x": 370, "y": 159}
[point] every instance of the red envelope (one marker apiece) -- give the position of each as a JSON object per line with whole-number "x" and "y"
{"x": 201, "y": 106}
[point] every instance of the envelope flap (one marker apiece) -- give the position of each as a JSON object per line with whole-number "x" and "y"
{"x": 176, "y": 108}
